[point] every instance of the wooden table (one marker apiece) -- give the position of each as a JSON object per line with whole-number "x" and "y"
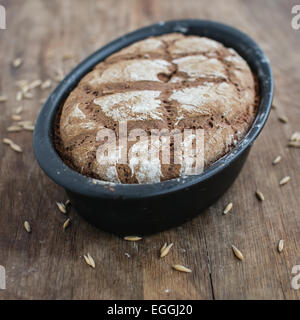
{"x": 49, "y": 264}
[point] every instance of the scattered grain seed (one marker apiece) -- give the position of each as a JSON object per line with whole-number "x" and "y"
{"x": 35, "y": 84}
{"x": 16, "y": 117}
{"x": 280, "y": 246}
{"x": 284, "y": 180}
{"x": 27, "y": 226}
{"x": 17, "y": 62}
{"x": 28, "y": 127}
{"x": 277, "y": 160}
{"x": 237, "y": 253}
{"x": 15, "y": 147}
{"x": 19, "y": 96}
{"x": 181, "y": 268}
{"x": 46, "y": 84}
{"x": 7, "y": 141}
{"x": 66, "y": 224}
{"x": 166, "y": 250}
{"x": 132, "y": 238}
{"x": 19, "y": 110}
{"x": 259, "y": 195}
{"x": 89, "y": 260}
{"x": 283, "y": 119}
{"x": 14, "y": 128}
{"x": 163, "y": 247}
{"x": 61, "y": 207}
{"x": 3, "y": 98}
{"x": 228, "y": 208}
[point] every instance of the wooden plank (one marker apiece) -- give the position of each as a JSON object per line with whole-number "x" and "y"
{"x": 49, "y": 264}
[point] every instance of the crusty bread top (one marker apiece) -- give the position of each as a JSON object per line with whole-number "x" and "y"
{"x": 172, "y": 81}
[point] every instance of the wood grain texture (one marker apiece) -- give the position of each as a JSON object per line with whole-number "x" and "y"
{"x": 49, "y": 264}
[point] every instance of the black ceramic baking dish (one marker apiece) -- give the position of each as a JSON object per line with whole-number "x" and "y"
{"x": 148, "y": 208}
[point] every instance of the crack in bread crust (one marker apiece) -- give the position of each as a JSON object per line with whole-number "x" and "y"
{"x": 167, "y": 82}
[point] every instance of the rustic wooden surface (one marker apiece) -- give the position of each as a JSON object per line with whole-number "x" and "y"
{"x": 48, "y": 263}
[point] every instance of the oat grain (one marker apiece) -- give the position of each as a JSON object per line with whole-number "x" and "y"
{"x": 237, "y": 253}
{"x": 61, "y": 207}
{"x": 27, "y": 226}
{"x": 132, "y": 238}
{"x": 280, "y": 246}
{"x": 166, "y": 250}
{"x": 284, "y": 180}
{"x": 228, "y": 208}
{"x": 181, "y": 268}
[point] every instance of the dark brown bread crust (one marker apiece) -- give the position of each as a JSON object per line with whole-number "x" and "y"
{"x": 172, "y": 81}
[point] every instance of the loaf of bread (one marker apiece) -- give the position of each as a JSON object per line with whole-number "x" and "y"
{"x": 168, "y": 82}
